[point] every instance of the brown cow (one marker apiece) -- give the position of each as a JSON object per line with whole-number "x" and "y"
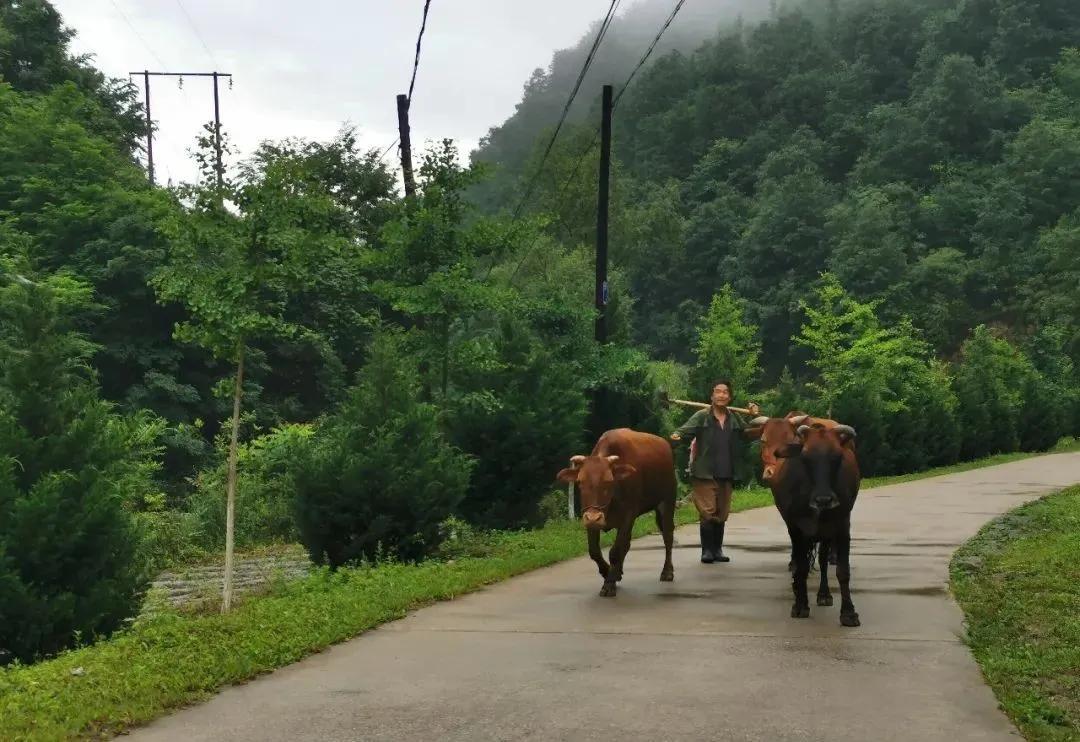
{"x": 628, "y": 474}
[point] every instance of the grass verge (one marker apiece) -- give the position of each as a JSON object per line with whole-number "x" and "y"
{"x": 167, "y": 660}
{"x": 1018, "y": 582}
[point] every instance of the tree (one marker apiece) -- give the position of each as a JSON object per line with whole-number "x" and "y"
{"x": 378, "y": 476}
{"x": 989, "y": 385}
{"x": 234, "y": 273}
{"x": 70, "y": 469}
{"x": 877, "y": 379}
{"x": 727, "y": 347}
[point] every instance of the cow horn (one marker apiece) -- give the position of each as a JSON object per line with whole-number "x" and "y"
{"x": 798, "y": 420}
{"x": 576, "y": 461}
{"x": 802, "y": 429}
{"x": 845, "y": 429}
{"x": 758, "y": 421}
{"x": 613, "y": 459}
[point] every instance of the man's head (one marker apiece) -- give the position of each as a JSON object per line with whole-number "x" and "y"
{"x": 721, "y": 393}
{"x": 596, "y": 477}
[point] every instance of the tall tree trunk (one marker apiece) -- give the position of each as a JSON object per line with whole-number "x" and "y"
{"x": 230, "y": 496}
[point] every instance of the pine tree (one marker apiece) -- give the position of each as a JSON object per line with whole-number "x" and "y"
{"x": 69, "y": 549}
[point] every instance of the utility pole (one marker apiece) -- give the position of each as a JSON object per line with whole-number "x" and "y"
{"x": 599, "y": 412}
{"x": 220, "y": 168}
{"x": 219, "y": 165}
{"x": 403, "y": 104}
{"x": 149, "y": 128}
{"x": 603, "y": 205}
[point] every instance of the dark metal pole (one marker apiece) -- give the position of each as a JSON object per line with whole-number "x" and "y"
{"x": 406, "y": 145}
{"x": 149, "y": 128}
{"x": 217, "y": 133}
{"x": 603, "y": 206}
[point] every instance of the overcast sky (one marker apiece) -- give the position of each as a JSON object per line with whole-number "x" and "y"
{"x": 305, "y": 68}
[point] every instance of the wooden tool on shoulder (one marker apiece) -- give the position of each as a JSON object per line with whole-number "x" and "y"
{"x": 699, "y": 405}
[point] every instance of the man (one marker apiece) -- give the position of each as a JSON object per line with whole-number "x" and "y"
{"x": 718, "y": 463}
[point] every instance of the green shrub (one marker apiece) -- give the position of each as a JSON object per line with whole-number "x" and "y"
{"x": 520, "y": 415}
{"x": 264, "y": 492}
{"x": 378, "y": 477}
{"x": 70, "y": 469}
{"x": 1002, "y": 399}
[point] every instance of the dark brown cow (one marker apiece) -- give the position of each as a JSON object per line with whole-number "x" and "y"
{"x": 815, "y": 483}
{"x": 628, "y": 474}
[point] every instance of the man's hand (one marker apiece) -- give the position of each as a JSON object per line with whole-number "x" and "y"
{"x": 676, "y": 437}
{"x": 754, "y": 409}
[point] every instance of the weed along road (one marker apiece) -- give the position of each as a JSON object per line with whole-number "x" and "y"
{"x": 711, "y": 656}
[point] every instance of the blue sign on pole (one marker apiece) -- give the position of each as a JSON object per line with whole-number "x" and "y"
{"x": 604, "y": 294}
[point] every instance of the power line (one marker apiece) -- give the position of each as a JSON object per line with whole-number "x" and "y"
{"x": 387, "y": 150}
{"x": 652, "y": 47}
{"x": 596, "y": 138}
{"x": 570, "y": 101}
{"x": 198, "y": 35}
{"x": 138, "y": 35}
{"x": 419, "y": 38}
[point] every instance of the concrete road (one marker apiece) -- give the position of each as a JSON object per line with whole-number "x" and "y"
{"x": 712, "y": 656}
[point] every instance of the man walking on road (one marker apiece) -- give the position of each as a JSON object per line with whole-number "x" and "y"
{"x": 718, "y": 464}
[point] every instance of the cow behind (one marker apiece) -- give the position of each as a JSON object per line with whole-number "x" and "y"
{"x": 815, "y": 482}
{"x": 628, "y": 474}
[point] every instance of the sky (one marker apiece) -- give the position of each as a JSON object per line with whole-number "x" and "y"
{"x": 306, "y": 68}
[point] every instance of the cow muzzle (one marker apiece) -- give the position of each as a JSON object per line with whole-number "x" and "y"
{"x": 593, "y": 518}
{"x": 824, "y": 501}
{"x": 768, "y": 473}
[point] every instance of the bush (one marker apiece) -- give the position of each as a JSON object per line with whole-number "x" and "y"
{"x": 378, "y": 477}
{"x": 265, "y": 490}
{"x": 521, "y": 416}
{"x": 1004, "y": 402}
{"x": 70, "y": 568}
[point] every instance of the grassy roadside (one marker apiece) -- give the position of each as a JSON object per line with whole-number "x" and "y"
{"x": 168, "y": 660}
{"x": 1018, "y": 582}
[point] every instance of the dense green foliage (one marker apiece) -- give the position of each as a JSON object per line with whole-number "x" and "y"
{"x": 378, "y": 476}
{"x": 922, "y": 151}
{"x": 1018, "y": 582}
{"x": 70, "y": 470}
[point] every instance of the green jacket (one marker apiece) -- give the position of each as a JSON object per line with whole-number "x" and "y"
{"x": 696, "y": 427}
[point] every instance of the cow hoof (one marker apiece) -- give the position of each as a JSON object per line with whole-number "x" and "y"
{"x": 607, "y": 591}
{"x": 668, "y": 575}
{"x": 824, "y": 600}
{"x": 849, "y": 619}
{"x": 800, "y": 611}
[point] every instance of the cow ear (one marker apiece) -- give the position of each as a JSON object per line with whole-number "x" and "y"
{"x": 567, "y": 475}
{"x": 623, "y": 471}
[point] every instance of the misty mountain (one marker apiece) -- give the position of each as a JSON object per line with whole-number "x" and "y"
{"x": 508, "y": 145}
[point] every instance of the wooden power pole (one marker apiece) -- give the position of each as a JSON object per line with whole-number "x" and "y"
{"x": 600, "y": 420}
{"x": 403, "y": 103}
{"x": 603, "y": 205}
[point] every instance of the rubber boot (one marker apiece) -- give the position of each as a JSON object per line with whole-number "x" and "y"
{"x": 718, "y": 543}
{"x": 707, "y": 546}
